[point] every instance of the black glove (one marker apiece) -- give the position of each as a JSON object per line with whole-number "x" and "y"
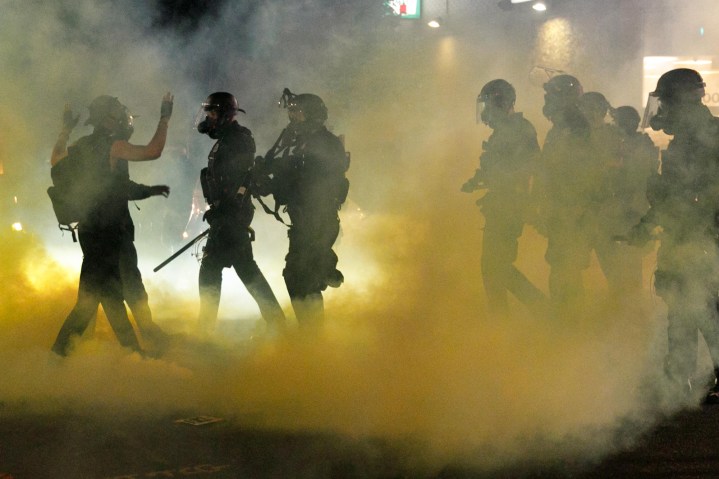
{"x": 639, "y": 235}
{"x": 166, "y": 108}
{"x": 470, "y": 186}
{"x": 210, "y": 215}
{"x": 262, "y": 185}
{"x": 158, "y": 190}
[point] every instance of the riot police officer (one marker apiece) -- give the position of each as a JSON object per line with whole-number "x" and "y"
{"x": 225, "y": 183}
{"x": 311, "y": 182}
{"x": 620, "y": 201}
{"x": 684, "y": 202}
{"x": 566, "y": 187}
{"x": 507, "y": 164}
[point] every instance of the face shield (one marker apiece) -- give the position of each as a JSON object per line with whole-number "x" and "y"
{"x": 651, "y": 111}
{"x": 480, "y": 109}
{"x": 204, "y": 120}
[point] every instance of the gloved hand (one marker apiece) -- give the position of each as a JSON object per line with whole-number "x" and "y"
{"x": 69, "y": 121}
{"x": 469, "y": 186}
{"x": 158, "y": 190}
{"x": 166, "y": 107}
{"x": 262, "y": 185}
{"x": 639, "y": 235}
{"x": 210, "y": 215}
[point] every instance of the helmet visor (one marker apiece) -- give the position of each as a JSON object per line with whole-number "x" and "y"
{"x": 651, "y": 110}
{"x": 479, "y": 109}
{"x": 202, "y": 113}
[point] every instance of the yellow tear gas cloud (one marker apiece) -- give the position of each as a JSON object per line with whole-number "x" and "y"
{"x": 409, "y": 356}
{"x": 409, "y": 353}
{"x": 412, "y": 359}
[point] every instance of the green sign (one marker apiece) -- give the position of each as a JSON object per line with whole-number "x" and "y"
{"x": 405, "y": 8}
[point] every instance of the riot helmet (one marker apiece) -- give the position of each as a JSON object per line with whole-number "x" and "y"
{"x": 560, "y": 92}
{"x": 594, "y": 106}
{"x": 218, "y": 110}
{"x": 626, "y": 118}
{"x": 497, "y": 97}
{"x": 678, "y": 89}
{"x": 108, "y": 114}
{"x": 311, "y": 107}
{"x": 682, "y": 85}
{"x": 565, "y": 86}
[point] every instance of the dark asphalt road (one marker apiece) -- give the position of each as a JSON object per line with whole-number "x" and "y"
{"x": 52, "y": 446}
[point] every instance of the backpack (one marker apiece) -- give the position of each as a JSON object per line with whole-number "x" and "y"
{"x": 76, "y": 182}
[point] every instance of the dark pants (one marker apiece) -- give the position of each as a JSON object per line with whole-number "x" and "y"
{"x": 500, "y": 276}
{"x": 100, "y": 283}
{"x": 134, "y": 291}
{"x": 686, "y": 280}
{"x": 309, "y": 264}
{"x": 231, "y": 246}
{"x": 568, "y": 254}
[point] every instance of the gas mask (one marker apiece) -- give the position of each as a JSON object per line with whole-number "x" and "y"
{"x": 120, "y": 124}
{"x": 488, "y": 112}
{"x": 125, "y": 128}
{"x": 672, "y": 116}
{"x": 553, "y": 104}
{"x": 204, "y": 124}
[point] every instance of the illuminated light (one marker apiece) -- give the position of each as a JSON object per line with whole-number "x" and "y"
{"x": 659, "y": 60}
{"x": 17, "y": 226}
{"x": 436, "y": 23}
{"x": 14, "y": 198}
{"x": 556, "y": 43}
{"x": 693, "y": 62}
{"x": 185, "y": 235}
{"x": 540, "y": 6}
{"x": 701, "y": 31}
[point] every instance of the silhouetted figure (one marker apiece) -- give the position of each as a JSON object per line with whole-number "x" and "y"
{"x": 684, "y": 201}
{"x": 568, "y": 184}
{"x": 507, "y": 164}
{"x": 225, "y": 183}
{"x": 308, "y": 176}
{"x": 621, "y": 199}
{"x": 106, "y": 227}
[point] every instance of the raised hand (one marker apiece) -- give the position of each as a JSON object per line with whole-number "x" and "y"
{"x": 166, "y": 107}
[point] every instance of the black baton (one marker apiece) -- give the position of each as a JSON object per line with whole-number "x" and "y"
{"x": 181, "y": 250}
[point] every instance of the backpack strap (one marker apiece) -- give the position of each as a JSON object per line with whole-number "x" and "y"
{"x": 275, "y": 212}
{"x": 71, "y": 229}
